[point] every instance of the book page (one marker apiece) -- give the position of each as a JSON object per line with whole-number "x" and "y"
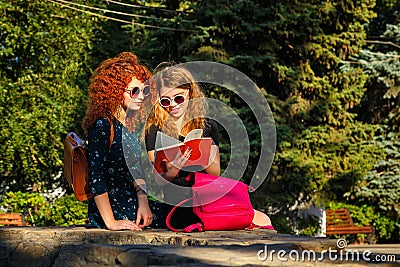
{"x": 200, "y": 154}
{"x": 163, "y": 140}
{"x": 196, "y": 133}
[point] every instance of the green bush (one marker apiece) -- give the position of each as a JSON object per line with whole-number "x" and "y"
{"x": 64, "y": 211}
{"x": 385, "y": 227}
{"x": 67, "y": 211}
{"x": 310, "y": 226}
{"x": 281, "y": 224}
{"x": 32, "y": 204}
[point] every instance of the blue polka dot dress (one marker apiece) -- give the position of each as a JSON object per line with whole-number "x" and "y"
{"x": 114, "y": 171}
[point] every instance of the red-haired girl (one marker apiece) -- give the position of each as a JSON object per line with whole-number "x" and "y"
{"x": 118, "y": 92}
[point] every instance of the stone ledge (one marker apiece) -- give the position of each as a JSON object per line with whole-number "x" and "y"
{"x": 79, "y": 246}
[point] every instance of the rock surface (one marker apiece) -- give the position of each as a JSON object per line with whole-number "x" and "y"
{"x": 79, "y": 246}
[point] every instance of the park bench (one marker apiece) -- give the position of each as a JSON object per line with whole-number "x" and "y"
{"x": 12, "y": 219}
{"x": 339, "y": 222}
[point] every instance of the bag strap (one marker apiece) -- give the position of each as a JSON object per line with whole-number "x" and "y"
{"x": 111, "y": 134}
{"x": 71, "y": 138}
{"x": 196, "y": 226}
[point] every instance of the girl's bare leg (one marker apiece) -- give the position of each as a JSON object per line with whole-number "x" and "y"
{"x": 261, "y": 218}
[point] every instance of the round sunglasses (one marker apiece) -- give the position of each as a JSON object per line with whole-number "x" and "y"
{"x": 165, "y": 102}
{"x": 134, "y": 92}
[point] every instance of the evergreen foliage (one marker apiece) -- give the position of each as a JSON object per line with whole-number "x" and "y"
{"x": 380, "y": 105}
{"x": 380, "y": 187}
{"x": 295, "y": 51}
{"x": 332, "y": 86}
{"x": 298, "y": 52}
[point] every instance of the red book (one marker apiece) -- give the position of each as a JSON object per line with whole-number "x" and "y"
{"x": 167, "y": 148}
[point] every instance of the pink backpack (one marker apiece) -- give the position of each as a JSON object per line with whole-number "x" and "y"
{"x": 220, "y": 203}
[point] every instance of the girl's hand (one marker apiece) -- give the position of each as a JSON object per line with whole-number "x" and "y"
{"x": 123, "y": 225}
{"x": 144, "y": 216}
{"x": 173, "y": 167}
{"x": 103, "y": 204}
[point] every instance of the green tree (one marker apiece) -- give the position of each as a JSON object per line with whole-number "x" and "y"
{"x": 160, "y": 35}
{"x": 380, "y": 59}
{"x": 48, "y": 51}
{"x": 380, "y": 105}
{"x": 43, "y": 69}
{"x": 295, "y": 51}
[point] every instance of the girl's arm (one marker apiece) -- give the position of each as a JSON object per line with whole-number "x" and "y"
{"x": 172, "y": 168}
{"x": 214, "y": 167}
{"x": 144, "y": 215}
{"x": 98, "y": 148}
{"x": 103, "y": 204}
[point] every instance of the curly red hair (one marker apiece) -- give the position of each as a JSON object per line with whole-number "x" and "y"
{"x": 107, "y": 86}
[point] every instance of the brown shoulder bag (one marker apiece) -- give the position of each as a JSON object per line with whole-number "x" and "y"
{"x": 76, "y": 164}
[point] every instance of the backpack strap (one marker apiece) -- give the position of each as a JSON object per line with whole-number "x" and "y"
{"x": 111, "y": 134}
{"x": 196, "y": 226}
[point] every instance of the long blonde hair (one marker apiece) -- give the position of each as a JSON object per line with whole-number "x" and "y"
{"x": 178, "y": 77}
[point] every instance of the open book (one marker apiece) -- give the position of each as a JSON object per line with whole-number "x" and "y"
{"x": 166, "y": 149}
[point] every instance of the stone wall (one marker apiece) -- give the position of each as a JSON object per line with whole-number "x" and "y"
{"x": 79, "y": 246}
